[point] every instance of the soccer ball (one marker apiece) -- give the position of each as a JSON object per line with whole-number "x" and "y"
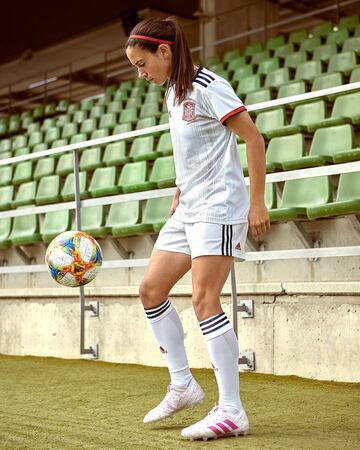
{"x": 73, "y": 258}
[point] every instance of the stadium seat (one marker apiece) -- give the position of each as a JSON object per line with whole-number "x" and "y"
{"x": 241, "y": 149}
{"x": 92, "y": 221}
{"x": 310, "y": 44}
{"x": 290, "y": 89}
{"x": 80, "y": 116}
{"x": 134, "y": 102}
{"x": 50, "y": 109}
{"x": 326, "y": 142}
{"x": 349, "y": 22}
{"x": 103, "y": 182}
{"x": 96, "y": 112}
{"x": 14, "y": 126}
{"x": 124, "y": 219}
{"x": 153, "y": 97}
{"x": 90, "y": 159}
{"x": 23, "y": 172}
{"x": 48, "y": 190}
{"x": 268, "y": 121}
{"x": 114, "y": 107}
{"x": 147, "y": 122}
{"x": 142, "y": 148}
{"x": 104, "y": 100}
{"x": 277, "y": 77}
{"x": 6, "y": 197}
{"x": 73, "y": 108}
{"x": 38, "y": 113}
{"x": 86, "y": 105}
{"x": 347, "y": 199}
{"x": 51, "y": 135}
{"x": 44, "y": 167}
{"x": 88, "y": 126}
{"x": 236, "y": 63}
{"x": 81, "y": 137}
{"x": 284, "y": 148}
{"x": 352, "y": 45}
{"x": 25, "y": 194}
{"x": 21, "y": 151}
{"x": 284, "y": 50}
{"x": 258, "y": 57}
{"x": 123, "y": 128}
{"x": 62, "y": 105}
{"x": 298, "y": 195}
{"x": 231, "y": 55}
{"x": 19, "y": 141}
{"x": 69, "y": 130}
{"x": 210, "y": 60}
{"x": 5, "y": 175}
{"x": 120, "y": 96}
{"x": 68, "y": 190}
{"x": 65, "y": 164}
{"x": 324, "y": 52}
{"x": 5, "y": 230}
{"x": 268, "y": 65}
{"x": 262, "y": 95}
{"x": 308, "y": 70}
{"x": 111, "y": 89}
{"x": 322, "y": 29}
{"x": 242, "y": 72}
{"x": 115, "y": 154}
{"x": 252, "y": 49}
{"x": 134, "y": 178}
{"x": 163, "y": 172}
{"x": 326, "y": 81}
{"x": 35, "y": 138}
{"x": 149, "y": 110}
{"x": 164, "y": 146}
{"x": 6, "y": 155}
{"x": 337, "y": 37}
{"x": 342, "y": 62}
{"x": 141, "y": 82}
{"x": 99, "y": 133}
{"x": 125, "y": 85}
{"x": 294, "y": 59}
{"x": 296, "y": 37}
{"x": 275, "y": 42}
{"x": 55, "y": 222}
{"x": 128, "y": 115}
{"x": 48, "y": 123}
{"x": 25, "y": 230}
{"x": 248, "y": 84}
{"x": 108, "y": 121}
{"x": 270, "y": 195}
{"x": 5, "y": 145}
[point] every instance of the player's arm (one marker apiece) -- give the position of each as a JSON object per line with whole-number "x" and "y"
{"x": 243, "y": 126}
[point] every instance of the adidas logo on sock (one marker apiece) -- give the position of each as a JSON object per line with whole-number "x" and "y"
{"x": 163, "y": 350}
{"x": 215, "y": 368}
{"x": 238, "y": 246}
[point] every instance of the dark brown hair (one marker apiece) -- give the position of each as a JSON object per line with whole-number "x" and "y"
{"x": 182, "y": 69}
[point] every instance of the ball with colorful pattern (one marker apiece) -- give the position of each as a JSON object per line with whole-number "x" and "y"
{"x": 73, "y": 258}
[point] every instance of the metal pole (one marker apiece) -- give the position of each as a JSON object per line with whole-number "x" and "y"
{"x": 234, "y": 299}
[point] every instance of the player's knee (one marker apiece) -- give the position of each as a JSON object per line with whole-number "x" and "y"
{"x": 150, "y": 294}
{"x": 199, "y": 301}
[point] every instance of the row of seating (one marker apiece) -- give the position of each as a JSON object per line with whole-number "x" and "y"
{"x": 303, "y": 199}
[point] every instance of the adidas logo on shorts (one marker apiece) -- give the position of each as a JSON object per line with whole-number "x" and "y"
{"x": 238, "y": 246}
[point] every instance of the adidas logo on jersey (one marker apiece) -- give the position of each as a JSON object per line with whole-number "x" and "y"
{"x": 238, "y": 246}
{"x": 163, "y": 350}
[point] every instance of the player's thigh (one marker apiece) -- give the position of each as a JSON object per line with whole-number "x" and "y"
{"x": 164, "y": 270}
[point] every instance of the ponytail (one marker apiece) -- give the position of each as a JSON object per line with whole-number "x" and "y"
{"x": 182, "y": 69}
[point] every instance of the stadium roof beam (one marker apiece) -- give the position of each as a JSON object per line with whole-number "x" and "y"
{"x": 303, "y": 6}
{"x": 85, "y": 77}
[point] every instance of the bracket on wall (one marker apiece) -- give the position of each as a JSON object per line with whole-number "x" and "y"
{"x": 27, "y": 259}
{"x": 120, "y": 249}
{"x": 247, "y": 360}
{"x": 355, "y": 222}
{"x": 255, "y": 246}
{"x": 307, "y": 241}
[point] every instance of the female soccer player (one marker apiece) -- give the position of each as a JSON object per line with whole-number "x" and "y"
{"x": 208, "y": 222}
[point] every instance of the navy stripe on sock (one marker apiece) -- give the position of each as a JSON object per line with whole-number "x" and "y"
{"x": 207, "y": 327}
{"x": 158, "y": 311}
{"x": 207, "y": 321}
{"x": 217, "y": 328}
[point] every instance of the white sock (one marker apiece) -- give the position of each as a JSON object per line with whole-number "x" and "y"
{"x": 223, "y": 349}
{"x": 169, "y": 334}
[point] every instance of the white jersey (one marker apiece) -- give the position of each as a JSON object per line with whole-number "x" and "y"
{"x": 208, "y": 170}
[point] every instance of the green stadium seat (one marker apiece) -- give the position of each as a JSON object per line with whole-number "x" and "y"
{"x": 163, "y": 172}
{"x": 114, "y": 107}
{"x": 128, "y": 115}
{"x": 352, "y": 45}
{"x": 277, "y": 77}
{"x": 69, "y": 130}
{"x": 123, "y": 128}
{"x": 326, "y": 142}
{"x": 355, "y": 75}
{"x": 35, "y": 126}
{"x": 80, "y": 116}
{"x": 5, "y": 175}
{"x": 210, "y": 60}
{"x": 306, "y": 117}
{"x": 125, "y": 85}
{"x": 242, "y": 72}
{"x": 231, "y": 54}
{"x": 56, "y": 144}
{"x": 284, "y": 50}
{"x": 342, "y": 62}
{"x": 14, "y": 126}
{"x": 134, "y": 178}
{"x": 149, "y": 110}
{"x": 88, "y": 126}
{"x": 92, "y": 221}
{"x": 52, "y": 134}
{"x": 164, "y": 146}
{"x": 25, "y": 194}
{"x": 164, "y": 118}
{"x": 115, "y": 154}
{"x": 147, "y": 122}
{"x": 120, "y": 96}
{"x": 24, "y": 123}
{"x": 65, "y": 164}
{"x": 103, "y": 182}
{"x": 155, "y": 88}
{"x": 6, "y": 155}
{"x": 86, "y": 105}
{"x": 268, "y": 65}
{"x": 104, "y": 100}
{"x": 337, "y": 37}
{"x": 290, "y": 89}
{"x": 124, "y": 219}
{"x": 142, "y": 148}
{"x": 262, "y": 95}
{"x": 268, "y": 121}
{"x": 261, "y": 56}
{"x": 141, "y": 82}
{"x": 236, "y": 63}
{"x": 23, "y": 172}
{"x": 252, "y": 49}
{"x": 80, "y": 137}
{"x": 25, "y": 115}
{"x": 97, "y": 111}
{"x": 38, "y": 113}
{"x": 55, "y": 222}
{"x": 62, "y": 105}
{"x": 298, "y": 36}
{"x": 35, "y": 138}
{"x": 248, "y": 84}
{"x": 322, "y": 29}
{"x": 111, "y": 89}
{"x": 50, "y": 109}
{"x": 68, "y": 190}
{"x": 153, "y": 97}
{"x": 285, "y": 148}
{"x": 21, "y": 151}
{"x": 270, "y": 195}
{"x": 5, "y": 230}
{"x": 326, "y": 81}
{"x": 25, "y": 230}
{"x": 73, "y": 108}
{"x": 275, "y": 42}
{"x": 6, "y": 197}
{"x": 134, "y": 102}
{"x": 90, "y": 159}
{"x": 216, "y": 67}
{"x": 349, "y": 22}
{"x": 347, "y": 199}
{"x": 42, "y": 146}
{"x": 298, "y": 195}
{"x": 100, "y": 133}
{"x": 324, "y": 52}
{"x": 357, "y": 31}
{"x": 5, "y": 145}
{"x": 44, "y": 167}
{"x": 48, "y": 190}
{"x": 241, "y": 149}
{"x": 3, "y": 127}
{"x": 63, "y": 120}
{"x": 19, "y": 141}
{"x": 294, "y": 59}
{"x": 308, "y": 70}
{"x": 157, "y": 212}
{"x": 310, "y": 44}
{"x": 48, "y": 123}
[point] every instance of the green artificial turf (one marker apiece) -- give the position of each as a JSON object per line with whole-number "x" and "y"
{"x": 48, "y": 403}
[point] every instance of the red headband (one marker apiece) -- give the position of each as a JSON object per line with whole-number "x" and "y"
{"x": 148, "y": 38}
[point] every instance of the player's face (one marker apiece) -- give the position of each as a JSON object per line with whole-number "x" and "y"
{"x": 154, "y": 67}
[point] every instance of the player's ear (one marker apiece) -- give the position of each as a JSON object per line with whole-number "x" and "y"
{"x": 165, "y": 51}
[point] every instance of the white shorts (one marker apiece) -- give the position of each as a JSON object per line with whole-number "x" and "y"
{"x": 202, "y": 238}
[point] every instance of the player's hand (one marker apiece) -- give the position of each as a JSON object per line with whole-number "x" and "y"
{"x": 259, "y": 221}
{"x": 173, "y": 207}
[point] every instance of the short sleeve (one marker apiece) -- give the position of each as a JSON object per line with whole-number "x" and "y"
{"x": 223, "y": 100}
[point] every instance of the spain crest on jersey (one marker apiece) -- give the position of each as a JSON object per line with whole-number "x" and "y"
{"x": 188, "y": 111}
